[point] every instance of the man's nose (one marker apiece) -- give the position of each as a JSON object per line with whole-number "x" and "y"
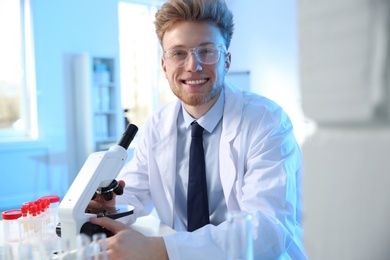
{"x": 192, "y": 62}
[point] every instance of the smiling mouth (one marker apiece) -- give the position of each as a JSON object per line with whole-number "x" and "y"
{"x": 194, "y": 82}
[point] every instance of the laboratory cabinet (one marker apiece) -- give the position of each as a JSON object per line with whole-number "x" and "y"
{"x": 99, "y": 120}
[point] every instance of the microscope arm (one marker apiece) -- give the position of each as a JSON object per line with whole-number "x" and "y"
{"x": 100, "y": 169}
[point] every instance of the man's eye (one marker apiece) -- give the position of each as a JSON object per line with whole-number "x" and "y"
{"x": 207, "y": 51}
{"x": 178, "y": 53}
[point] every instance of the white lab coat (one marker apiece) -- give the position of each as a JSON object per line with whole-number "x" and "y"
{"x": 260, "y": 165}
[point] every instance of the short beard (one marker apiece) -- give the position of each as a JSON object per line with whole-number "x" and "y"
{"x": 199, "y": 99}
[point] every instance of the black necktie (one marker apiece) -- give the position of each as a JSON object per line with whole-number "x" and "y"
{"x": 197, "y": 204}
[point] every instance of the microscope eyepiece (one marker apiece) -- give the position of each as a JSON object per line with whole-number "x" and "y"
{"x": 128, "y": 136}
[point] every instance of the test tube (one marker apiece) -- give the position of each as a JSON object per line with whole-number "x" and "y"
{"x": 99, "y": 246}
{"x": 11, "y": 225}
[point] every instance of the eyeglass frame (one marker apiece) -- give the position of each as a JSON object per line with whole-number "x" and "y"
{"x": 221, "y": 50}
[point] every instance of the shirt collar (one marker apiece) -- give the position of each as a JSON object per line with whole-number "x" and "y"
{"x": 209, "y": 120}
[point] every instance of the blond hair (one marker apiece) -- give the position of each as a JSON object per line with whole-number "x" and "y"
{"x": 212, "y": 11}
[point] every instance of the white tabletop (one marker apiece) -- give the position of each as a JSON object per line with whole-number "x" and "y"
{"x": 151, "y": 226}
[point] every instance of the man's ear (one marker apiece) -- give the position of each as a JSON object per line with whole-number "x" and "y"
{"x": 228, "y": 60}
{"x": 164, "y": 67}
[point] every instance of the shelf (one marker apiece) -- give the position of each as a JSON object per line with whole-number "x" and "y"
{"x": 100, "y": 119}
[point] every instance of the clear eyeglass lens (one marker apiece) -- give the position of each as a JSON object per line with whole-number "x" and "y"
{"x": 206, "y": 54}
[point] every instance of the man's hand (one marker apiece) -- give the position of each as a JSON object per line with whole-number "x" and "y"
{"x": 130, "y": 244}
{"x": 99, "y": 203}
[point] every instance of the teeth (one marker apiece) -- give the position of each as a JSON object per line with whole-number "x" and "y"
{"x": 195, "y": 82}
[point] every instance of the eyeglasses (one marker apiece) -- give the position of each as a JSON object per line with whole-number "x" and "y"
{"x": 206, "y": 54}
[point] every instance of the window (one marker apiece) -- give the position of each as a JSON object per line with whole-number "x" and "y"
{"x": 143, "y": 85}
{"x": 17, "y": 93}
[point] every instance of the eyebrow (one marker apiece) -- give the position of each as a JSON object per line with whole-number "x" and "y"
{"x": 182, "y": 46}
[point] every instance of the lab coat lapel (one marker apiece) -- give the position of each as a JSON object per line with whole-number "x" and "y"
{"x": 164, "y": 151}
{"x": 233, "y": 113}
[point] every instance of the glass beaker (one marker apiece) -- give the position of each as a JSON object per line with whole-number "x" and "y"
{"x": 240, "y": 240}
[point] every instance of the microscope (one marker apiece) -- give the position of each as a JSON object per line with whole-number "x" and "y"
{"x": 97, "y": 176}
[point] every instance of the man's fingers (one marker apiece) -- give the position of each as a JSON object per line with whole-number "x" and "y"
{"x": 122, "y": 183}
{"x": 95, "y": 204}
{"x": 110, "y": 224}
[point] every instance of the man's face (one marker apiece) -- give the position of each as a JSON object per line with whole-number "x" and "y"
{"x": 195, "y": 83}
